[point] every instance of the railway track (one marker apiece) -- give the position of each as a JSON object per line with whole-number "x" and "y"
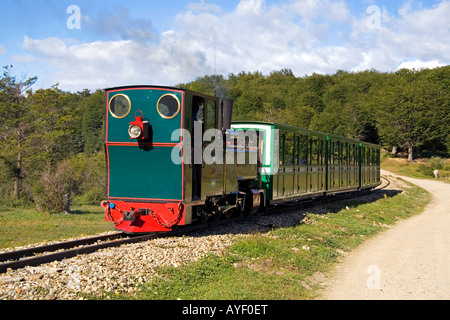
{"x": 63, "y": 250}
{"x": 58, "y": 251}
{"x": 383, "y": 185}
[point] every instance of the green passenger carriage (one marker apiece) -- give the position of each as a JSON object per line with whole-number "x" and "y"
{"x": 298, "y": 162}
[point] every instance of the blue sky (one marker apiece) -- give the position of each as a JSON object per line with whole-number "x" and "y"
{"x": 169, "y": 42}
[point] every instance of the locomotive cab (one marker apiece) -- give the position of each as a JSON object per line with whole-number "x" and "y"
{"x": 167, "y": 160}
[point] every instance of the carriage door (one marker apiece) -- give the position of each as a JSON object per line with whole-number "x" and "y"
{"x": 282, "y": 167}
{"x": 212, "y": 170}
{"x": 198, "y": 108}
{"x": 313, "y": 165}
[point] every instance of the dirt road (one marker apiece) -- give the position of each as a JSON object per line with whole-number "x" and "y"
{"x": 409, "y": 261}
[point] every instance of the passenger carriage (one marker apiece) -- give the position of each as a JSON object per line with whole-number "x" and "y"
{"x": 298, "y": 163}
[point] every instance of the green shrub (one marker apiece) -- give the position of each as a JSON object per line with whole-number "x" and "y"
{"x": 436, "y": 163}
{"x": 426, "y": 170}
{"x": 53, "y": 191}
{"x": 80, "y": 176}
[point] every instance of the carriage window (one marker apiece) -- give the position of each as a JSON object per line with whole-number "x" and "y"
{"x": 303, "y": 150}
{"x": 211, "y": 115}
{"x": 289, "y": 149}
{"x": 336, "y": 152}
{"x": 355, "y": 154}
{"x": 120, "y": 106}
{"x": 168, "y": 106}
{"x": 261, "y": 150}
{"x": 363, "y": 156}
{"x": 374, "y": 157}
{"x": 350, "y": 154}
{"x": 345, "y": 153}
{"x": 314, "y": 151}
{"x": 198, "y": 110}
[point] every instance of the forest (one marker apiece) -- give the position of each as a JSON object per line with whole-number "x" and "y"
{"x": 52, "y": 141}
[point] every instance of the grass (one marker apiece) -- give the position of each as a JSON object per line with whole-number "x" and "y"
{"x": 19, "y": 226}
{"x": 419, "y": 168}
{"x": 286, "y": 263}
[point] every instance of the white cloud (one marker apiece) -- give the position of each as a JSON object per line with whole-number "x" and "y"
{"x": 49, "y": 47}
{"x": 420, "y": 34}
{"x": 112, "y": 63}
{"x": 417, "y": 64}
{"x": 2, "y": 50}
{"x": 304, "y": 35}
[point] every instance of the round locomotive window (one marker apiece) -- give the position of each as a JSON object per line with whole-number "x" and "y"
{"x": 168, "y": 106}
{"x": 120, "y": 106}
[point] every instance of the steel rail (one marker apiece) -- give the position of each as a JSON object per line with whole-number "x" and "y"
{"x": 23, "y": 258}
{"x": 84, "y": 249}
{"x": 15, "y": 255}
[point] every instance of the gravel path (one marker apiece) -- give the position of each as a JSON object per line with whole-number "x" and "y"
{"x": 409, "y": 261}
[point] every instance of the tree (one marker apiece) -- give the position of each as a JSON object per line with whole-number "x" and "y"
{"x": 439, "y": 78}
{"x": 54, "y": 122}
{"x": 15, "y": 125}
{"x": 408, "y": 109}
{"x": 346, "y": 110}
{"x": 247, "y": 93}
{"x": 214, "y": 85}
{"x": 411, "y": 111}
{"x": 315, "y": 87}
{"x": 93, "y": 109}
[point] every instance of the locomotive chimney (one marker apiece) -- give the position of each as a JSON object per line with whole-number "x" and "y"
{"x": 227, "y": 109}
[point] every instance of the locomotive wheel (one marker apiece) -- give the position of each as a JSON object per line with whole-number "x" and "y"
{"x": 228, "y": 206}
{"x": 202, "y": 214}
{"x": 216, "y": 216}
{"x": 212, "y": 212}
{"x": 228, "y": 214}
{"x": 244, "y": 213}
{"x": 247, "y": 204}
{"x": 262, "y": 208}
